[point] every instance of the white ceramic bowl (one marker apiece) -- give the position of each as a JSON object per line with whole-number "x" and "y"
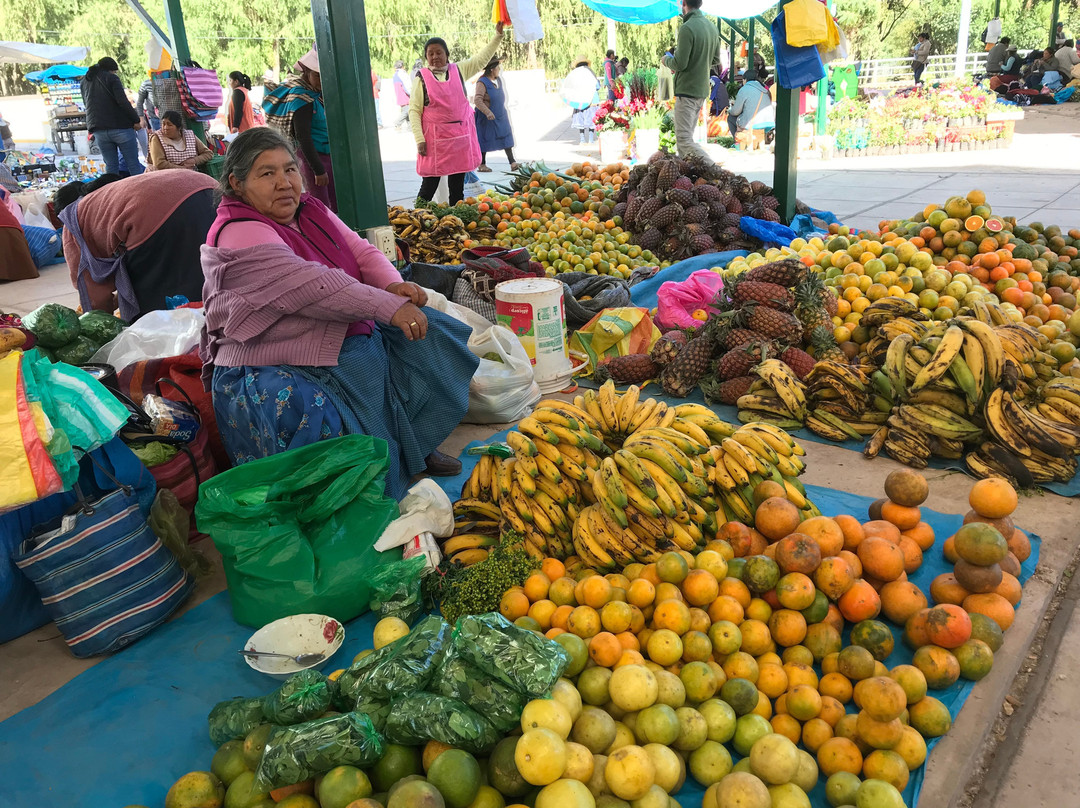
{"x": 298, "y": 634}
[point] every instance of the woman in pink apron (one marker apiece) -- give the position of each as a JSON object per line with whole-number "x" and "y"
{"x": 442, "y": 119}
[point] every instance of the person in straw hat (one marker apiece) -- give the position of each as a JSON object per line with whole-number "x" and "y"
{"x": 581, "y": 92}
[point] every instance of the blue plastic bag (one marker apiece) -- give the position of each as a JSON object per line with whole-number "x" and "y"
{"x": 773, "y": 234}
{"x": 795, "y": 67}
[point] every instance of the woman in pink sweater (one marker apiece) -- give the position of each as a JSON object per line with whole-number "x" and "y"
{"x": 310, "y": 331}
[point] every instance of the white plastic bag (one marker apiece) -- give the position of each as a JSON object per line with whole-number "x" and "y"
{"x": 425, "y": 509}
{"x": 525, "y": 19}
{"x": 155, "y": 335}
{"x": 33, "y": 207}
{"x": 439, "y": 302}
{"x": 501, "y": 391}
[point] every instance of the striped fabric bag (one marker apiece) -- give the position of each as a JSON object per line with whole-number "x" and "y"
{"x": 103, "y": 576}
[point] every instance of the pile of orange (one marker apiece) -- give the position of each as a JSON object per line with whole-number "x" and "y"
{"x": 748, "y": 617}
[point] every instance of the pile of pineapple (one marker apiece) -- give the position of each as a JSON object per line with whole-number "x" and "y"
{"x": 677, "y": 208}
{"x": 774, "y": 311}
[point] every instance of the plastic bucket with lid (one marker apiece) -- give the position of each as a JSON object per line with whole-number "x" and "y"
{"x": 533, "y": 309}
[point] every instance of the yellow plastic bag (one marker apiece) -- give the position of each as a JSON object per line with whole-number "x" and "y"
{"x": 806, "y": 23}
{"x": 832, "y": 41}
{"x": 615, "y": 332}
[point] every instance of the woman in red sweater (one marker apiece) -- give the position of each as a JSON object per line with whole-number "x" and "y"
{"x": 311, "y": 332}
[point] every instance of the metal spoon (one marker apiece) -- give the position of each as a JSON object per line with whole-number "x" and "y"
{"x": 303, "y": 660}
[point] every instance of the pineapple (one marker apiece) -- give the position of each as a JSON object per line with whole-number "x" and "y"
{"x": 810, "y": 305}
{"x": 681, "y": 197}
{"x": 667, "y": 216}
{"x": 783, "y": 273}
{"x": 739, "y": 336}
{"x": 728, "y": 391}
{"x": 629, "y": 369}
{"x": 739, "y": 361}
{"x": 668, "y": 176}
{"x": 773, "y": 323}
{"x": 772, "y": 295}
{"x": 665, "y": 349}
{"x": 825, "y": 347}
{"x": 799, "y": 361}
{"x": 684, "y": 373}
{"x": 643, "y": 215}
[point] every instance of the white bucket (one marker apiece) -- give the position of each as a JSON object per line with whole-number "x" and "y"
{"x": 533, "y": 309}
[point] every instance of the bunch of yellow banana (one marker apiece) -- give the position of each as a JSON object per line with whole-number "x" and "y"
{"x": 847, "y": 402}
{"x": 1044, "y": 440}
{"x": 887, "y": 309}
{"x": 613, "y": 479}
{"x": 755, "y": 453}
{"x": 777, "y": 397}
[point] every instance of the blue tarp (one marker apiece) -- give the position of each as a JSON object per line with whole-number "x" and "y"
{"x": 56, "y": 73}
{"x": 122, "y": 732}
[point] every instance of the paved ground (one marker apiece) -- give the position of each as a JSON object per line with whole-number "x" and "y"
{"x": 1038, "y": 178}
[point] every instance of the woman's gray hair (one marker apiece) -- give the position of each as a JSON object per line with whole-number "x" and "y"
{"x": 245, "y": 150}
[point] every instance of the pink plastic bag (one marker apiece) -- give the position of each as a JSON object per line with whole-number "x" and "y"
{"x": 678, "y": 300}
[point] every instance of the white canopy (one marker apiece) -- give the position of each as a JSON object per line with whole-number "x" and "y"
{"x": 31, "y": 53}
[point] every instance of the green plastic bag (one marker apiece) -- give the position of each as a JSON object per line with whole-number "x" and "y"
{"x": 234, "y": 719}
{"x": 396, "y": 589}
{"x": 404, "y": 666}
{"x": 303, "y": 697}
{"x": 296, "y": 530}
{"x": 500, "y": 704}
{"x": 525, "y": 661}
{"x": 414, "y": 720}
{"x": 297, "y": 753}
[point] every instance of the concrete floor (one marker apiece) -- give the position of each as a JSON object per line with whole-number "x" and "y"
{"x": 1038, "y": 178}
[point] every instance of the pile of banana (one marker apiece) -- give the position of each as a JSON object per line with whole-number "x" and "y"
{"x": 777, "y": 397}
{"x": 431, "y": 240}
{"x": 848, "y": 402}
{"x": 957, "y": 387}
{"x": 613, "y": 479}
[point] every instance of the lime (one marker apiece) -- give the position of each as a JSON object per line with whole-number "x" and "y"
{"x": 457, "y": 776}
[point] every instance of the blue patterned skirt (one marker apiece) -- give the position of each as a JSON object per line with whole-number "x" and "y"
{"x": 410, "y": 394}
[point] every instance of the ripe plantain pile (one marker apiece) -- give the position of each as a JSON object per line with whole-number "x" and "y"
{"x": 432, "y": 240}
{"x": 979, "y": 388}
{"x": 614, "y": 479}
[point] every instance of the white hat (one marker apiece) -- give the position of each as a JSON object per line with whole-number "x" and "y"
{"x": 310, "y": 60}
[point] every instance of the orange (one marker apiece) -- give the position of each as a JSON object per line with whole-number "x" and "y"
{"x": 784, "y": 724}
{"x": 851, "y": 529}
{"x": 584, "y": 621}
{"x": 776, "y": 517}
{"x": 938, "y": 665}
{"x": 756, "y": 637}
{"x": 831, "y": 710}
{"x": 672, "y": 615}
{"x": 860, "y": 602}
{"x": 882, "y": 528}
{"x": 881, "y": 558}
{"x": 726, "y": 607}
{"x": 1009, "y": 588}
{"x": 922, "y": 534}
{"x": 605, "y": 649}
{"x": 993, "y": 497}
{"x": 700, "y": 587}
{"x": 826, "y": 532}
{"x": 630, "y": 657}
{"x": 616, "y": 616}
{"x": 648, "y": 573}
{"x": 798, "y": 552}
{"x": 561, "y": 616}
{"x": 736, "y": 589}
{"x": 834, "y": 577}
{"x": 641, "y": 593}
{"x": 1019, "y": 545}
{"x": 903, "y": 517}
{"x": 561, "y": 591}
{"x": 853, "y": 561}
{"x": 536, "y": 586}
{"x": 799, "y": 673}
{"x": 991, "y": 605}
{"x": 900, "y": 600}
{"x": 737, "y": 535}
{"x": 760, "y": 609}
{"x": 696, "y": 646}
{"x": 913, "y": 555}
{"x": 672, "y": 567}
{"x": 882, "y": 698}
{"x": 836, "y": 686}
{"x": 839, "y": 755}
{"x": 795, "y": 591}
{"x": 668, "y": 591}
{"x": 699, "y": 620}
{"x": 772, "y": 680}
{"x": 628, "y": 640}
{"x": 788, "y": 627}
{"x": 595, "y": 590}
{"x": 814, "y": 734}
{"x": 741, "y": 665}
{"x": 948, "y": 625}
{"x": 514, "y": 604}
{"x": 542, "y": 611}
{"x": 803, "y": 702}
{"x": 878, "y": 734}
{"x": 552, "y": 568}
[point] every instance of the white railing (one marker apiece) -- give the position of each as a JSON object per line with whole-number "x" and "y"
{"x": 881, "y": 73}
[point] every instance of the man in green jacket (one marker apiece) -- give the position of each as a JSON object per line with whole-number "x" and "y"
{"x": 698, "y": 49}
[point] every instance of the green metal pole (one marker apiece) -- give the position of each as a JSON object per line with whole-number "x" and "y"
{"x": 785, "y": 173}
{"x": 345, "y": 64}
{"x": 997, "y": 9}
{"x": 750, "y": 46}
{"x": 731, "y": 63}
{"x": 1054, "y": 10}
{"x": 174, "y": 18}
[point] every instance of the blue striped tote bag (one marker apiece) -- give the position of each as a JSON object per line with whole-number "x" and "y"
{"x": 102, "y": 574}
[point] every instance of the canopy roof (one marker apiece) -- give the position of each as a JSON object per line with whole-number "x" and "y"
{"x": 646, "y": 12}
{"x": 31, "y": 53}
{"x": 56, "y": 73}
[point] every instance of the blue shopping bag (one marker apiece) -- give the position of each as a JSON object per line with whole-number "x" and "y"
{"x": 795, "y": 67}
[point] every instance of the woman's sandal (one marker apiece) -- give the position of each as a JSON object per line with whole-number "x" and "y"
{"x": 483, "y": 169}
